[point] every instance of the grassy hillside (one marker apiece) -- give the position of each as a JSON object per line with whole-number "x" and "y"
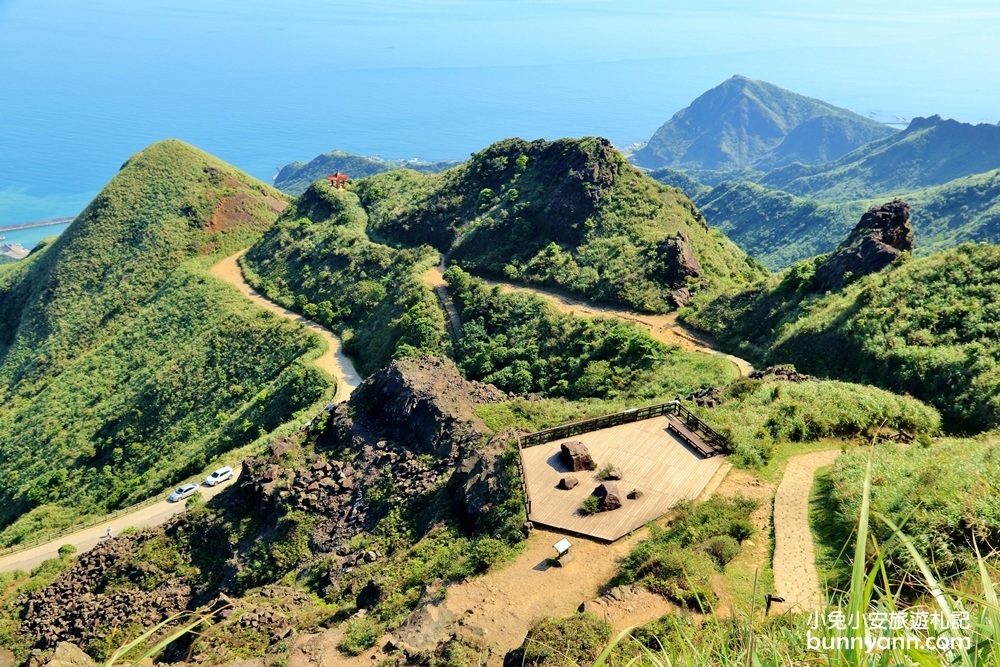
{"x": 930, "y": 152}
{"x": 927, "y": 327}
{"x": 295, "y": 177}
{"x": 519, "y": 343}
{"x": 319, "y": 261}
{"x": 743, "y": 123}
{"x": 570, "y": 213}
{"x": 943, "y": 491}
{"x": 124, "y": 366}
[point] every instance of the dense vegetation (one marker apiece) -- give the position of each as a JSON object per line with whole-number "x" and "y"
{"x": 743, "y": 122}
{"x": 319, "y": 261}
{"x": 518, "y": 342}
{"x": 927, "y": 327}
{"x": 296, "y": 177}
{"x": 942, "y": 493}
{"x": 779, "y": 229}
{"x": 930, "y": 152}
{"x": 124, "y": 367}
{"x": 570, "y": 213}
{"x": 700, "y": 540}
{"x": 775, "y": 227}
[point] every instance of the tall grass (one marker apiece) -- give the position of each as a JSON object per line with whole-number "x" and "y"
{"x": 790, "y": 639}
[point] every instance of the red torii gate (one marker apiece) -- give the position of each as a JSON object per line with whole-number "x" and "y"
{"x": 337, "y": 180}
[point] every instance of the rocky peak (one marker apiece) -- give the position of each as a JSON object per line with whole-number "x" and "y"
{"x": 880, "y": 236}
{"x": 421, "y": 403}
{"x": 677, "y": 260}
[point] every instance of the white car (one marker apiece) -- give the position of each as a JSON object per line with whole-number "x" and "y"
{"x": 220, "y": 475}
{"x": 183, "y": 492}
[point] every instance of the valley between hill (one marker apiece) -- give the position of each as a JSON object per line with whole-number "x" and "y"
{"x": 664, "y": 328}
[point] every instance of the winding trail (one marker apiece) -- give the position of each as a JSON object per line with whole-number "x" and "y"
{"x": 664, "y": 328}
{"x": 795, "y": 577}
{"x": 333, "y": 361}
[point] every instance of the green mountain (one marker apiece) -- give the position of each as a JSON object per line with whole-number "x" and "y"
{"x": 927, "y": 327}
{"x": 746, "y": 123}
{"x": 124, "y": 366}
{"x": 319, "y": 261}
{"x": 571, "y": 214}
{"x": 930, "y": 152}
{"x": 295, "y": 177}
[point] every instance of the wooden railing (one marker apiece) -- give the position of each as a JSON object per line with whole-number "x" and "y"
{"x": 715, "y": 439}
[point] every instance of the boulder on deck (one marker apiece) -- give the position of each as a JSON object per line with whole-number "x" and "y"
{"x": 608, "y": 497}
{"x": 576, "y": 455}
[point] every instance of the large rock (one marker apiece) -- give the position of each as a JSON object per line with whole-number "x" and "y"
{"x": 608, "y": 497}
{"x": 68, "y": 654}
{"x": 882, "y": 235}
{"x": 567, "y": 483}
{"x": 478, "y": 483}
{"x": 576, "y": 455}
{"x": 677, "y": 261}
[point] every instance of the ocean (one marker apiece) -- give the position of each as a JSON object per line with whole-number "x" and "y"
{"x": 29, "y": 238}
{"x": 259, "y": 84}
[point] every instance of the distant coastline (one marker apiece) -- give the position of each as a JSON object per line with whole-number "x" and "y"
{"x": 37, "y": 223}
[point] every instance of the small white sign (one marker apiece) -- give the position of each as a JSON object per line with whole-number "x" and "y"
{"x": 562, "y": 546}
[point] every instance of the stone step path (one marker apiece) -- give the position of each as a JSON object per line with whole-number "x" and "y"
{"x": 795, "y": 577}
{"x": 434, "y": 278}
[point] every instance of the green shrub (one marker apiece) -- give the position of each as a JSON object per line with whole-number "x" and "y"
{"x": 331, "y": 271}
{"x": 194, "y": 500}
{"x": 675, "y": 561}
{"x": 924, "y": 327}
{"x": 360, "y": 635}
{"x": 723, "y": 549}
{"x": 609, "y": 472}
{"x": 66, "y": 550}
{"x": 590, "y": 505}
{"x": 575, "y": 640}
{"x": 758, "y": 414}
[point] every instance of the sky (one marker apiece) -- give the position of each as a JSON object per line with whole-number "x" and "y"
{"x": 85, "y": 85}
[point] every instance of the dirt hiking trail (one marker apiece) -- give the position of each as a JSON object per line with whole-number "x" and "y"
{"x": 795, "y": 577}
{"x": 496, "y": 610}
{"x": 663, "y": 328}
{"x": 333, "y": 361}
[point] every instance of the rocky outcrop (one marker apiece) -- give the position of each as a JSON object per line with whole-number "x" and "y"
{"x": 709, "y": 397}
{"x": 882, "y": 235}
{"x": 420, "y": 403}
{"x": 782, "y": 373}
{"x": 576, "y": 456}
{"x": 72, "y": 610}
{"x": 408, "y": 438}
{"x": 677, "y": 262}
{"x": 479, "y": 482}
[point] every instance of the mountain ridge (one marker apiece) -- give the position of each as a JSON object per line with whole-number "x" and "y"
{"x": 747, "y": 123}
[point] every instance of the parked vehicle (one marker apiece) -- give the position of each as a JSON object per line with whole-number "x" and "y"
{"x": 220, "y": 475}
{"x": 183, "y": 492}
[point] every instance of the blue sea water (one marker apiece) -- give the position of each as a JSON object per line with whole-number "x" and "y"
{"x": 261, "y": 83}
{"x": 29, "y": 238}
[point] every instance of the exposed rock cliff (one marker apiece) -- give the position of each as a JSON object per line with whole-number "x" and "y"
{"x": 880, "y": 237}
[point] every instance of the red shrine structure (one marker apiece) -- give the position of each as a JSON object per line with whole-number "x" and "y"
{"x": 337, "y": 180}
